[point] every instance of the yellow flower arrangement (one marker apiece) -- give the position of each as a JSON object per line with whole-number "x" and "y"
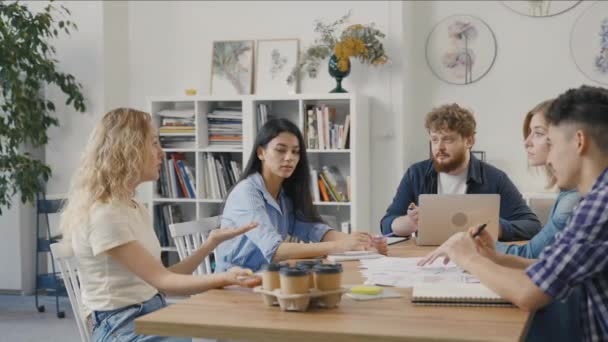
{"x": 359, "y": 41}
{"x": 347, "y": 48}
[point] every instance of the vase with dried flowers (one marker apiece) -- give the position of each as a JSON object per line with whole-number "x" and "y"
{"x": 362, "y": 42}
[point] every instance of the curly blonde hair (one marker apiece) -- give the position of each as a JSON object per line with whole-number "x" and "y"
{"x": 110, "y": 165}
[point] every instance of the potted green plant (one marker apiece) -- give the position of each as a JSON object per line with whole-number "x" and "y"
{"x": 27, "y": 65}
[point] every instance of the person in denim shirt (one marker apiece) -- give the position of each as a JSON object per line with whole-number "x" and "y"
{"x": 275, "y": 192}
{"x": 558, "y": 321}
{"x": 452, "y": 169}
{"x": 118, "y": 253}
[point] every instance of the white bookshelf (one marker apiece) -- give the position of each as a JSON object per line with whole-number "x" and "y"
{"x": 353, "y": 162}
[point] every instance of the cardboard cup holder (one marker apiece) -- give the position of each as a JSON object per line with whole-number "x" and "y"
{"x": 302, "y": 301}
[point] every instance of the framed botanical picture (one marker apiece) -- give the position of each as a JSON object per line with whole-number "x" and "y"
{"x": 461, "y": 49}
{"x": 589, "y": 42}
{"x": 275, "y": 60}
{"x": 232, "y": 67}
{"x": 541, "y": 8}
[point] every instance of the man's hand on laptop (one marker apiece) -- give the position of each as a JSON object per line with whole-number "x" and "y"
{"x": 412, "y": 214}
{"x": 407, "y": 224}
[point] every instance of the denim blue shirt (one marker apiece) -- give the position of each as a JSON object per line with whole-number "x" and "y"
{"x": 560, "y": 213}
{"x": 517, "y": 221}
{"x": 250, "y": 201}
{"x": 558, "y": 321}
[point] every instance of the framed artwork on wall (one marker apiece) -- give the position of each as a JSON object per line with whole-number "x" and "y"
{"x": 541, "y": 8}
{"x": 461, "y": 49}
{"x": 232, "y": 67}
{"x": 589, "y": 42}
{"x": 274, "y": 62}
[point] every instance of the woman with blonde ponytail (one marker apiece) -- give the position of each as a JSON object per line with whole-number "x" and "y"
{"x": 122, "y": 276}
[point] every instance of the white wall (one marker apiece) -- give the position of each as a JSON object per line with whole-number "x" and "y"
{"x": 80, "y": 54}
{"x": 168, "y": 45}
{"x": 170, "y": 50}
{"x": 533, "y": 64}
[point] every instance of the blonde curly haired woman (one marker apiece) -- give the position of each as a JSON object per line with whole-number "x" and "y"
{"x": 118, "y": 252}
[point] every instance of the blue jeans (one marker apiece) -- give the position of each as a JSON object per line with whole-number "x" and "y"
{"x": 558, "y": 321}
{"x": 118, "y": 325}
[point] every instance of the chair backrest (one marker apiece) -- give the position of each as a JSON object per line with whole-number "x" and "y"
{"x": 541, "y": 204}
{"x": 68, "y": 266}
{"x": 189, "y": 236}
{"x": 331, "y": 221}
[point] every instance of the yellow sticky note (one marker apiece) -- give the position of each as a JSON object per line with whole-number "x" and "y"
{"x": 367, "y": 290}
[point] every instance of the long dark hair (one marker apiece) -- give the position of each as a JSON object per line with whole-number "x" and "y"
{"x": 297, "y": 186}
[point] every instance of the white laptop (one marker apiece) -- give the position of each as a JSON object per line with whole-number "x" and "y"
{"x": 440, "y": 216}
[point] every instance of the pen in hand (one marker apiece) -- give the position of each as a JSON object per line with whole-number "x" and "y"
{"x": 479, "y": 230}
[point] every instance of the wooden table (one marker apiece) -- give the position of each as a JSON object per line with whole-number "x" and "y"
{"x": 239, "y": 314}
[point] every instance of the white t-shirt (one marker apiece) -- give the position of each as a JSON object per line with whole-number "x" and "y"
{"x": 106, "y": 284}
{"x": 452, "y": 184}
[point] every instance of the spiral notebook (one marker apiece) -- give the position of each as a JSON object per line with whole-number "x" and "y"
{"x": 455, "y": 294}
{"x": 353, "y": 256}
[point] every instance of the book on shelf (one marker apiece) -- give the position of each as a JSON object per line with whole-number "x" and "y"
{"x": 176, "y": 113}
{"x": 333, "y": 196}
{"x": 177, "y": 141}
{"x": 180, "y": 177}
{"x": 225, "y": 127}
{"x": 262, "y": 114}
{"x": 176, "y": 129}
{"x": 166, "y": 214}
{"x": 336, "y": 182}
{"x": 316, "y": 195}
{"x": 188, "y": 181}
{"x": 323, "y": 191}
{"x": 310, "y": 131}
{"x": 220, "y": 174}
{"x": 322, "y": 129}
{"x": 176, "y": 121}
{"x": 329, "y": 185}
{"x": 177, "y": 180}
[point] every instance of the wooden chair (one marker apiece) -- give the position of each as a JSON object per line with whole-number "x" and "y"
{"x": 68, "y": 267}
{"x": 189, "y": 236}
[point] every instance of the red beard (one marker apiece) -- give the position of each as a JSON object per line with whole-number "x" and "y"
{"x": 457, "y": 160}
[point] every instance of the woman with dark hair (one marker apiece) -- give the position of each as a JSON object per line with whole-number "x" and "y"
{"x": 274, "y": 191}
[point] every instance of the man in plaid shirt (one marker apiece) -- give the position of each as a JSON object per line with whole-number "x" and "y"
{"x": 578, "y": 133}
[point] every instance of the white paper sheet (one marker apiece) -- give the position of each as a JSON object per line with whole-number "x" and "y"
{"x": 403, "y": 272}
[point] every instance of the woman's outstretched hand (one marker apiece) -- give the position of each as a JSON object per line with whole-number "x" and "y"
{"x": 218, "y": 236}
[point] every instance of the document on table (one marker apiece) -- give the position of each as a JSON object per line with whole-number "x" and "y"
{"x": 353, "y": 256}
{"x": 404, "y": 272}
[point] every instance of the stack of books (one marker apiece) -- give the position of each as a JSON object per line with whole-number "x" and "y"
{"x": 323, "y": 131}
{"x": 176, "y": 128}
{"x": 220, "y": 174}
{"x": 329, "y": 185}
{"x": 177, "y": 178}
{"x": 226, "y": 127}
